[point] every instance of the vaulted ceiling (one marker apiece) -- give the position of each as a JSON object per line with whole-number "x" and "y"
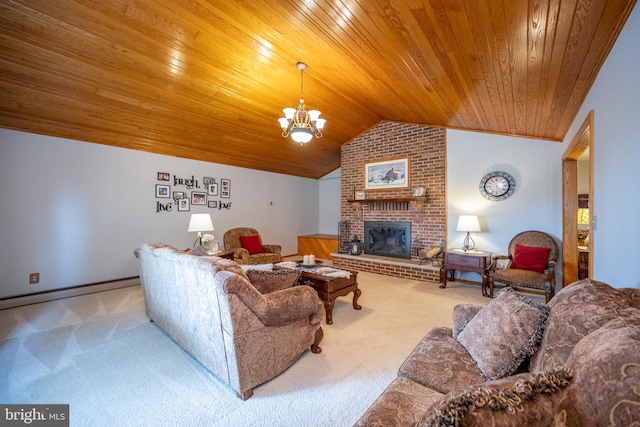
{"x": 207, "y": 79}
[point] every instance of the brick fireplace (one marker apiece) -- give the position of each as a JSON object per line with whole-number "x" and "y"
{"x": 425, "y": 148}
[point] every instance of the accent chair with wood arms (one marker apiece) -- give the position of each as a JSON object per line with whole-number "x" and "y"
{"x": 532, "y": 259}
{"x": 248, "y": 248}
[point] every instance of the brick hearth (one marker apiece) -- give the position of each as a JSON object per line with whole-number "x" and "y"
{"x": 388, "y": 266}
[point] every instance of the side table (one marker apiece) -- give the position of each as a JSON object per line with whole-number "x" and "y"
{"x": 476, "y": 262}
{"x": 228, "y": 254}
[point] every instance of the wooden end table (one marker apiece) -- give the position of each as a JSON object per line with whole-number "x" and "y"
{"x": 228, "y": 254}
{"x": 330, "y": 288}
{"x": 477, "y": 262}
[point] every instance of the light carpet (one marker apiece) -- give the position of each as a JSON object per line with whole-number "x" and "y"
{"x": 100, "y": 354}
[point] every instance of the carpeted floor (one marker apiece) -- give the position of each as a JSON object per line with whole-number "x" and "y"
{"x": 100, "y": 354}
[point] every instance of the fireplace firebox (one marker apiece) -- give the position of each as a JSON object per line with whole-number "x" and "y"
{"x": 388, "y": 238}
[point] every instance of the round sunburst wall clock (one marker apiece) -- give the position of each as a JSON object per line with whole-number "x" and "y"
{"x": 497, "y": 185}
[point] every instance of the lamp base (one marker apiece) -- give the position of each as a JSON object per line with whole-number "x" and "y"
{"x": 198, "y": 241}
{"x": 468, "y": 244}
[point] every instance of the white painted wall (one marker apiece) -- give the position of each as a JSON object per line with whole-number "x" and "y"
{"x": 536, "y": 203}
{"x": 615, "y": 100}
{"x": 74, "y": 211}
{"x": 330, "y": 202}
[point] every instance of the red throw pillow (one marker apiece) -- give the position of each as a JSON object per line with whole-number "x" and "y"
{"x": 252, "y": 244}
{"x": 531, "y": 258}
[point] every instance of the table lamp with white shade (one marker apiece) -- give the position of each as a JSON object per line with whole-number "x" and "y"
{"x": 200, "y": 223}
{"x": 468, "y": 223}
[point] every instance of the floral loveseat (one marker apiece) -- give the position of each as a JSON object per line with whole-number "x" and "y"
{"x": 245, "y": 327}
{"x": 573, "y": 362}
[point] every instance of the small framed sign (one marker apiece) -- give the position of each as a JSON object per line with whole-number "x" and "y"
{"x": 359, "y": 195}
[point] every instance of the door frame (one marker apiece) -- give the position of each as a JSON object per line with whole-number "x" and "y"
{"x": 581, "y": 142}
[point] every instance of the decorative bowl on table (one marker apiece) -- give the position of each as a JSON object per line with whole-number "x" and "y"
{"x": 301, "y": 264}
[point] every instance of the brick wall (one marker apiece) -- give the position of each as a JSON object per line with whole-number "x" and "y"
{"x": 426, "y": 149}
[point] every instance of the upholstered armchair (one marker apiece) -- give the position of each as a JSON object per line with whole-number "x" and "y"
{"x": 530, "y": 264}
{"x": 248, "y": 248}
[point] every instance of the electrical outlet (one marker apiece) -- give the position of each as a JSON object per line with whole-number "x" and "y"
{"x": 34, "y": 278}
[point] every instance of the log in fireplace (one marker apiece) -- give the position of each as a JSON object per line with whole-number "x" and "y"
{"x": 388, "y": 238}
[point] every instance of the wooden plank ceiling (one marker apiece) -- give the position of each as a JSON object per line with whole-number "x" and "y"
{"x": 207, "y": 79}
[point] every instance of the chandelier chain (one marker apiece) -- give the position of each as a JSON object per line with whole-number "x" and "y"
{"x": 301, "y": 86}
{"x": 301, "y": 124}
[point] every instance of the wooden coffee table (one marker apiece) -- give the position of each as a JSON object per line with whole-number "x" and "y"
{"x": 330, "y": 288}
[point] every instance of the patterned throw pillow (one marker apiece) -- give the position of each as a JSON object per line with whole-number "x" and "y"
{"x": 521, "y": 400}
{"x": 501, "y": 336}
{"x": 606, "y": 385}
{"x": 462, "y": 314}
{"x": 575, "y": 312}
{"x": 270, "y": 281}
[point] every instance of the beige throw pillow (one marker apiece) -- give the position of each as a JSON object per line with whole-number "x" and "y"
{"x": 501, "y": 336}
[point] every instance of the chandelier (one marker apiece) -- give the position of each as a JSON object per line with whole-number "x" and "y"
{"x": 301, "y": 124}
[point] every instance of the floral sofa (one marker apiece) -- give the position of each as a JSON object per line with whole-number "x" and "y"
{"x": 514, "y": 362}
{"x": 246, "y": 327}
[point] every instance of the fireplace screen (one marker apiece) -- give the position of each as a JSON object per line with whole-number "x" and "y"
{"x": 388, "y": 238}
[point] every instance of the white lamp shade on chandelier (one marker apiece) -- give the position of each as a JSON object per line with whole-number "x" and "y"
{"x": 301, "y": 124}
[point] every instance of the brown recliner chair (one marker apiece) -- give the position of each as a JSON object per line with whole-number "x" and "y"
{"x": 258, "y": 254}
{"x": 514, "y": 275}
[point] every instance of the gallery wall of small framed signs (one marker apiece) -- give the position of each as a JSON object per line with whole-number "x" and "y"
{"x": 189, "y": 191}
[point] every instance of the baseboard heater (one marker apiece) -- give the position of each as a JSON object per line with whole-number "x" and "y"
{"x": 69, "y": 292}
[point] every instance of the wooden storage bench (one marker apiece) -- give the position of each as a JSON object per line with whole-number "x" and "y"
{"x": 320, "y": 245}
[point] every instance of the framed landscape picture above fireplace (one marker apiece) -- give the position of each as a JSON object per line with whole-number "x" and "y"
{"x": 387, "y": 174}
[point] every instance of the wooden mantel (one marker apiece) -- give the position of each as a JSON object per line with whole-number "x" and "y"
{"x": 390, "y": 199}
{"x": 389, "y": 204}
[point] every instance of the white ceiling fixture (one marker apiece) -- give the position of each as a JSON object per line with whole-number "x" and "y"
{"x": 301, "y": 124}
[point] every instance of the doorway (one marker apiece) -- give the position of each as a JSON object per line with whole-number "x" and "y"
{"x": 580, "y": 149}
